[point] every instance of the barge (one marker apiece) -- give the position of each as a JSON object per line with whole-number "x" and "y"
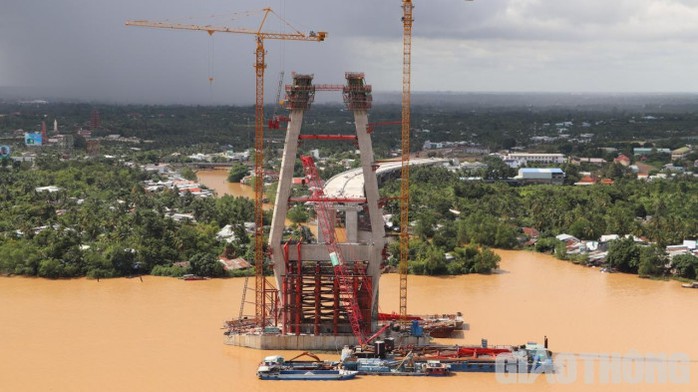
{"x": 274, "y": 367}
{"x": 384, "y": 358}
{"x": 304, "y": 375}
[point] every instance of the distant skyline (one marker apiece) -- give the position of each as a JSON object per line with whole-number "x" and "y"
{"x": 80, "y": 49}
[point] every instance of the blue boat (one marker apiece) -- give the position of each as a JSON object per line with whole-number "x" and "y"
{"x": 308, "y": 375}
{"x": 275, "y": 368}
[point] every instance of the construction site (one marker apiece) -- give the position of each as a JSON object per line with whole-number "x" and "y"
{"x": 323, "y": 294}
{"x": 329, "y": 289}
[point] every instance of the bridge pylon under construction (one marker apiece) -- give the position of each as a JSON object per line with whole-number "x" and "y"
{"x": 329, "y": 286}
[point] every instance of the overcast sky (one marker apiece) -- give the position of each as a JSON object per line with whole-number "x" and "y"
{"x": 81, "y": 48}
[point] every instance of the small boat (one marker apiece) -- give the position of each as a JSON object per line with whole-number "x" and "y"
{"x": 193, "y": 277}
{"x": 692, "y": 285}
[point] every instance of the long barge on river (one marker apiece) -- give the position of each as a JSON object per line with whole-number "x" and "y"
{"x": 383, "y": 357}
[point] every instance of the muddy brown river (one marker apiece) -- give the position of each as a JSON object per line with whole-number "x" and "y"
{"x": 164, "y": 334}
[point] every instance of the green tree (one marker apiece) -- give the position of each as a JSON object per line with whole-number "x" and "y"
{"x": 431, "y": 261}
{"x": 624, "y": 255}
{"x": 188, "y": 174}
{"x": 652, "y": 261}
{"x": 51, "y": 268}
{"x": 446, "y": 236}
{"x": 486, "y": 262}
{"x": 206, "y": 264}
{"x": 686, "y": 266}
{"x": 297, "y": 214}
{"x": 237, "y": 172}
{"x": 98, "y": 266}
{"x": 496, "y": 169}
{"x": 547, "y": 244}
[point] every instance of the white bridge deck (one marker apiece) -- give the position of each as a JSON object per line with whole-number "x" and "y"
{"x": 351, "y": 183}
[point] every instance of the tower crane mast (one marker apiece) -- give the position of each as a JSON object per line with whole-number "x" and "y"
{"x": 407, "y": 20}
{"x": 259, "y": 66}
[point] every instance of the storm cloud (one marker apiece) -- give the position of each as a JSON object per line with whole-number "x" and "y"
{"x": 81, "y": 49}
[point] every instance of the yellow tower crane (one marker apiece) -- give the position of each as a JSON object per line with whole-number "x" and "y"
{"x": 259, "y": 66}
{"x": 407, "y": 20}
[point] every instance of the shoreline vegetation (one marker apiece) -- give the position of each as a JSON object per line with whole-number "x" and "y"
{"x": 645, "y": 216}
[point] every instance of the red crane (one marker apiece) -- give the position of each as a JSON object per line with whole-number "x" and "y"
{"x": 323, "y": 209}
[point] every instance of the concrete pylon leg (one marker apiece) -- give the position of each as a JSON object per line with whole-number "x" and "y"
{"x": 283, "y": 192}
{"x": 371, "y": 190}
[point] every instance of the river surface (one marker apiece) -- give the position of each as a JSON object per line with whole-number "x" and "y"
{"x": 163, "y": 334}
{"x": 217, "y": 179}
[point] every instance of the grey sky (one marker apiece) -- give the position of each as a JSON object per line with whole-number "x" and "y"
{"x": 81, "y": 48}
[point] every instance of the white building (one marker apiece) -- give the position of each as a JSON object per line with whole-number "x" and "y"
{"x": 526, "y": 158}
{"x": 542, "y": 176}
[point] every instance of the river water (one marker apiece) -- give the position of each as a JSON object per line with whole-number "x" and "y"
{"x": 163, "y": 334}
{"x": 217, "y": 180}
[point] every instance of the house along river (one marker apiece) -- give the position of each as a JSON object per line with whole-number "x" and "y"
{"x": 163, "y": 334}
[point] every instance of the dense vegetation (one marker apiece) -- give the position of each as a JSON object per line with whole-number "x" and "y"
{"x": 449, "y": 212}
{"x": 102, "y": 223}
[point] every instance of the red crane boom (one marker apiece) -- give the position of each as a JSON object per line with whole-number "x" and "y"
{"x": 323, "y": 209}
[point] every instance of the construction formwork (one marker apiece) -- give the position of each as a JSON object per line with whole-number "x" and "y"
{"x": 312, "y": 302}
